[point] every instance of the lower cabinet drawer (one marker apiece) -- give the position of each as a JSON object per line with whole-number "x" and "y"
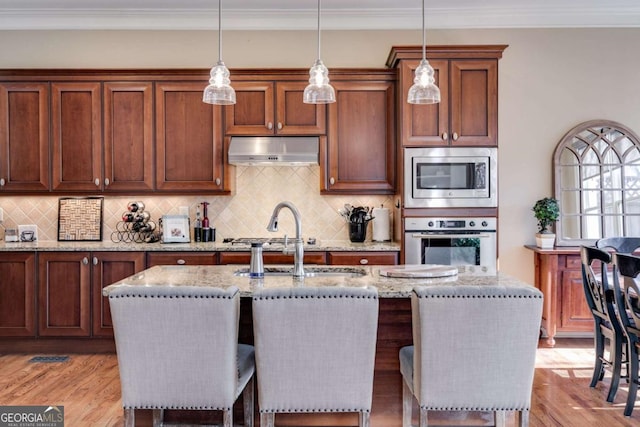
{"x": 181, "y": 258}
{"x": 363, "y": 258}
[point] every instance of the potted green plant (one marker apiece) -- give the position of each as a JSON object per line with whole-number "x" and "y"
{"x": 546, "y": 212}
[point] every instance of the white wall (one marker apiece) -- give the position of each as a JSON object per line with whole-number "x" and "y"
{"x": 549, "y": 81}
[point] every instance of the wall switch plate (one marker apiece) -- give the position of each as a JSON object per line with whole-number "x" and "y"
{"x": 1, "y": 215}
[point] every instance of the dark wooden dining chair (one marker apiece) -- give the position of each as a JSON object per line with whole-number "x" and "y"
{"x": 625, "y": 277}
{"x": 625, "y": 245}
{"x": 607, "y": 331}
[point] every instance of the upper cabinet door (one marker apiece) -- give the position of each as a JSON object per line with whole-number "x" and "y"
{"x": 189, "y": 144}
{"x": 474, "y": 102}
{"x": 128, "y": 136}
{"x": 360, "y": 146}
{"x": 76, "y": 112}
{"x": 273, "y": 108}
{"x": 425, "y": 124}
{"x": 24, "y": 137}
{"x": 293, "y": 116}
{"x": 252, "y": 113}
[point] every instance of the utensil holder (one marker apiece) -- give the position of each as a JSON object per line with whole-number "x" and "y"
{"x": 357, "y": 231}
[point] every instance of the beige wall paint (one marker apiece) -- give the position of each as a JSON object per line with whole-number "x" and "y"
{"x": 550, "y": 80}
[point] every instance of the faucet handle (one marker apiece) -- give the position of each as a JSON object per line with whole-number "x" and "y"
{"x": 285, "y": 249}
{"x": 286, "y": 240}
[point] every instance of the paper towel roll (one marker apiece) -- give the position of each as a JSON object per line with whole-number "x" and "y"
{"x": 381, "y": 225}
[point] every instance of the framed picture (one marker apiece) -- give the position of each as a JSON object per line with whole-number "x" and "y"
{"x": 175, "y": 228}
{"x": 80, "y": 218}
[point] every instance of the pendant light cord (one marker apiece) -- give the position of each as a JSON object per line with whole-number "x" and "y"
{"x": 318, "y": 29}
{"x": 424, "y": 35}
{"x": 219, "y": 31}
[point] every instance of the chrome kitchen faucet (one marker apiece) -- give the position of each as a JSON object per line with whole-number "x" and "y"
{"x": 298, "y": 253}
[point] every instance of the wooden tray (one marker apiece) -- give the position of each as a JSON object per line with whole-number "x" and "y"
{"x": 419, "y": 271}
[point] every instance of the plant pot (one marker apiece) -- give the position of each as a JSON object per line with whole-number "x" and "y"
{"x": 545, "y": 240}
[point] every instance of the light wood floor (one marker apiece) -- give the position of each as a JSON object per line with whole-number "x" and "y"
{"x": 89, "y": 389}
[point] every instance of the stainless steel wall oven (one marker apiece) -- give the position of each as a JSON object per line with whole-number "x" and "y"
{"x": 451, "y": 241}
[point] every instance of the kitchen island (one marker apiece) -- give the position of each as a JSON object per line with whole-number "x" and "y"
{"x": 394, "y": 323}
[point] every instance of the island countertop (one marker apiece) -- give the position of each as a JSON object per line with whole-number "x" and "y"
{"x": 388, "y": 287}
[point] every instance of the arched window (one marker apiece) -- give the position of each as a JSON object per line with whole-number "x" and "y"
{"x": 597, "y": 182}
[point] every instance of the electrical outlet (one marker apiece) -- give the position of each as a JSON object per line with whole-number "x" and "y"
{"x": 183, "y": 210}
{"x": 1, "y": 215}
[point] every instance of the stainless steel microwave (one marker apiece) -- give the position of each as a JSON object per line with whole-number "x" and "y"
{"x": 438, "y": 177}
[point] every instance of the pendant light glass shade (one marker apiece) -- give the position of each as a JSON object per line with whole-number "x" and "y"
{"x": 219, "y": 90}
{"x": 424, "y": 89}
{"x": 319, "y": 91}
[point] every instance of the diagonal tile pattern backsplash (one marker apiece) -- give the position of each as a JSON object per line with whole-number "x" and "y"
{"x": 243, "y": 214}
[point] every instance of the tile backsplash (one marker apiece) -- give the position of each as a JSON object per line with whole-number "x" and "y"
{"x": 246, "y": 213}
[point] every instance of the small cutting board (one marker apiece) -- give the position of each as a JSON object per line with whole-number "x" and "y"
{"x": 419, "y": 271}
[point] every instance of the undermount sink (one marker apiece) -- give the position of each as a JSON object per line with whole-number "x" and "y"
{"x": 308, "y": 272}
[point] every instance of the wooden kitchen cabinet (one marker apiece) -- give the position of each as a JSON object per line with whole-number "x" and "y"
{"x": 17, "y": 294}
{"x": 108, "y": 268}
{"x": 244, "y": 257}
{"x": 363, "y": 258}
{"x": 64, "y": 294}
{"x": 181, "y": 258}
{"x": 558, "y": 275}
{"x": 70, "y": 290}
{"x": 190, "y": 150}
{"x": 76, "y": 114}
{"x": 359, "y": 154}
{"x": 467, "y": 114}
{"x": 24, "y": 137}
{"x": 273, "y": 108}
{"x": 128, "y": 136}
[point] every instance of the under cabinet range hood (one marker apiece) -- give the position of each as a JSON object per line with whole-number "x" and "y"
{"x": 274, "y": 150}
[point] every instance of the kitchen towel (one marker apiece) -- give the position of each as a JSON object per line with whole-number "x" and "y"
{"x": 381, "y": 225}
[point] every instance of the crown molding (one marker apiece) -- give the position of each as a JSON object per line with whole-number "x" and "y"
{"x": 333, "y": 19}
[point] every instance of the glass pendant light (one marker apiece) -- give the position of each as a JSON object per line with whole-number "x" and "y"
{"x": 219, "y": 90}
{"x": 319, "y": 91}
{"x": 424, "y": 89}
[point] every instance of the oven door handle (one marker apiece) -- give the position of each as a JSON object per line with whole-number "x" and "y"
{"x": 450, "y": 236}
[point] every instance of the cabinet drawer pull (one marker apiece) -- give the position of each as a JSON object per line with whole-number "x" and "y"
{"x": 85, "y": 261}
{"x": 95, "y": 260}
{"x": 445, "y": 136}
{"x": 106, "y": 182}
{"x": 269, "y": 125}
{"x": 218, "y": 181}
{"x": 181, "y": 262}
{"x": 97, "y": 182}
{"x": 332, "y": 181}
{"x": 2, "y": 182}
{"x": 279, "y": 126}
{"x": 364, "y": 261}
{"x": 455, "y": 136}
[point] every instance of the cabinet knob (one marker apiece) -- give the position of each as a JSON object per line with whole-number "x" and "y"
{"x": 280, "y": 126}
{"x": 445, "y": 136}
{"x": 269, "y": 125}
{"x": 95, "y": 260}
{"x": 97, "y": 182}
{"x": 2, "y": 182}
{"x": 85, "y": 261}
{"x": 106, "y": 182}
{"x": 332, "y": 181}
{"x": 455, "y": 136}
{"x": 218, "y": 181}
{"x": 181, "y": 262}
{"x": 364, "y": 261}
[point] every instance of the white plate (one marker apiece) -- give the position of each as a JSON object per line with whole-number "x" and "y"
{"x": 419, "y": 270}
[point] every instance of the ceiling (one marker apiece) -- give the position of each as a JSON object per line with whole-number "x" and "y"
{"x": 301, "y": 14}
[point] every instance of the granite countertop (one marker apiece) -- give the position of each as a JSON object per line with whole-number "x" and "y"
{"x": 321, "y": 245}
{"x": 223, "y": 276}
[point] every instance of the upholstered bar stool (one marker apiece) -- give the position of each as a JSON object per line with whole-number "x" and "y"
{"x": 315, "y": 350}
{"x": 178, "y": 348}
{"x": 474, "y": 349}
